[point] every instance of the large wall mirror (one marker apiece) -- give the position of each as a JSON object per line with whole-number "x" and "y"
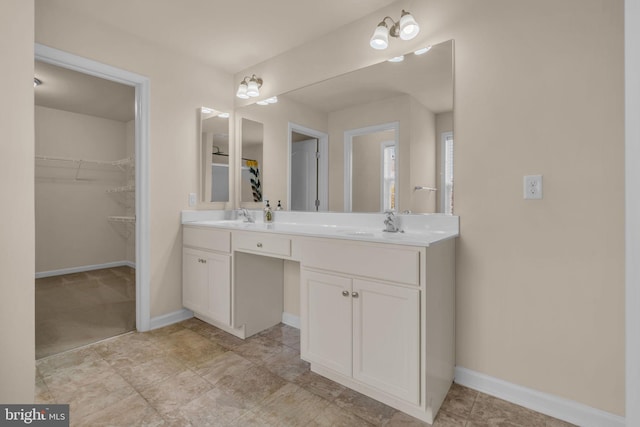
{"x": 215, "y": 155}
{"x": 374, "y": 139}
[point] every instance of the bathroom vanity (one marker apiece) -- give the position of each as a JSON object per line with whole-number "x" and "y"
{"x": 376, "y": 308}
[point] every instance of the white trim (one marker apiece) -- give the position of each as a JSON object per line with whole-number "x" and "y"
{"x": 291, "y": 320}
{"x": 443, "y": 167}
{"x": 170, "y": 318}
{"x": 323, "y": 163}
{"x": 348, "y": 152}
{"x": 141, "y": 84}
{"x": 632, "y": 211}
{"x": 554, "y": 406}
{"x": 83, "y": 268}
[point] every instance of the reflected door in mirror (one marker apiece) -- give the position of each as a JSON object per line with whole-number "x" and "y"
{"x": 304, "y": 175}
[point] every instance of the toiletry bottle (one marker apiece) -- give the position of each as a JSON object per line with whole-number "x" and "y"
{"x": 268, "y": 213}
{"x": 279, "y": 207}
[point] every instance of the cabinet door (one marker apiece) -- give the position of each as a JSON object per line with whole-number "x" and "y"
{"x": 386, "y": 338}
{"x": 219, "y": 274}
{"x": 206, "y": 284}
{"x": 326, "y": 321}
{"x": 195, "y": 280}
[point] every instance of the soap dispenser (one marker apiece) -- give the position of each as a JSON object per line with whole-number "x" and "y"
{"x": 268, "y": 213}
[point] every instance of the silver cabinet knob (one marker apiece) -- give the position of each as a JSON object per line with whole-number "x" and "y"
{"x": 345, "y": 293}
{"x": 354, "y": 294}
{"x": 204, "y": 261}
{"x": 259, "y": 245}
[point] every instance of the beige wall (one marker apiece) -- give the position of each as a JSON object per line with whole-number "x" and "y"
{"x": 179, "y": 86}
{"x": 17, "y": 260}
{"x": 366, "y": 176}
{"x": 422, "y": 161}
{"x": 71, "y": 214}
{"x": 538, "y": 90}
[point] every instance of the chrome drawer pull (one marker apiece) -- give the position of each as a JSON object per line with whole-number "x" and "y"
{"x": 345, "y": 293}
{"x": 259, "y": 245}
{"x": 355, "y": 294}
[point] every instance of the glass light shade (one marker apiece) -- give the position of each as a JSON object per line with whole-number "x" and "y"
{"x": 380, "y": 38}
{"x": 242, "y": 91}
{"x": 409, "y": 28}
{"x": 252, "y": 88}
{"x": 272, "y": 100}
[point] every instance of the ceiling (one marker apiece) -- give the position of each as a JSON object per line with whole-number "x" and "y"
{"x": 231, "y": 35}
{"x": 68, "y": 90}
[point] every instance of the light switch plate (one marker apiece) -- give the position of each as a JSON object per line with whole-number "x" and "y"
{"x": 192, "y": 200}
{"x": 533, "y": 187}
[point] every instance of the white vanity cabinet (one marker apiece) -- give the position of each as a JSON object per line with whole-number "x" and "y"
{"x": 206, "y": 273}
{"x": 363, "y": 329}
{"x": 379, "y": 318}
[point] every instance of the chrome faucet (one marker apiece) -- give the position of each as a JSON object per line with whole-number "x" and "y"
{"x": 391, "y": 222}
{"x": 245, "y": 213}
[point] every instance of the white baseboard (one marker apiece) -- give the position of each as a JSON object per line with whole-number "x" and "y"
{"x": 291, "y": 320}
{"x": 84, "y": 268}
{"x": 554, "y": 406}
{"x": 170, "y": 318}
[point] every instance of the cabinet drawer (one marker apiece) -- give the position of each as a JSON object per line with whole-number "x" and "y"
{"x": 262, "y": 243}
{"x": 206, "y": 238}
{"x": 380, "y": 262}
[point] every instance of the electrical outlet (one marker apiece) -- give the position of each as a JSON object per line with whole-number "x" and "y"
{"x": 192, "y": 200}
{"x": 533, "y": 187}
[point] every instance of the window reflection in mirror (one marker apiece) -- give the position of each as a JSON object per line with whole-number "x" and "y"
{"x": 214, "y": 126}
{"x": 251, "y": 170}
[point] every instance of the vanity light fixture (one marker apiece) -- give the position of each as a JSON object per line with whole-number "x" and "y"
{"x": 36, "y": 82}
{"x": 249, "y": 87}
{"x": 406, "y": 28}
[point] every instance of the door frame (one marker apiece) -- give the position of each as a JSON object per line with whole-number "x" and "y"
{"x": 141, "y": 85}
{"x": 632, "y": 213}
{"x": 348, "y": 153}
{"x": 323, "y": 163}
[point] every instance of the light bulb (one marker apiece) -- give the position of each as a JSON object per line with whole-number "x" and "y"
{"x": 380, "y": 38}
{"x": 409, "y": 28}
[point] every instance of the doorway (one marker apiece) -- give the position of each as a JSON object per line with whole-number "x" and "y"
{"x": 308, "y": 179}
{"x": 140, "y": 229}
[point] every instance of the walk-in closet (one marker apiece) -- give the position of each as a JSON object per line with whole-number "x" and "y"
{"x": 84, "y": 209}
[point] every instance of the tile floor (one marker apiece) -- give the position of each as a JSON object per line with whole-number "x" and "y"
{"x": 192, "y": 374}
{"x": 73, "y": 310}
